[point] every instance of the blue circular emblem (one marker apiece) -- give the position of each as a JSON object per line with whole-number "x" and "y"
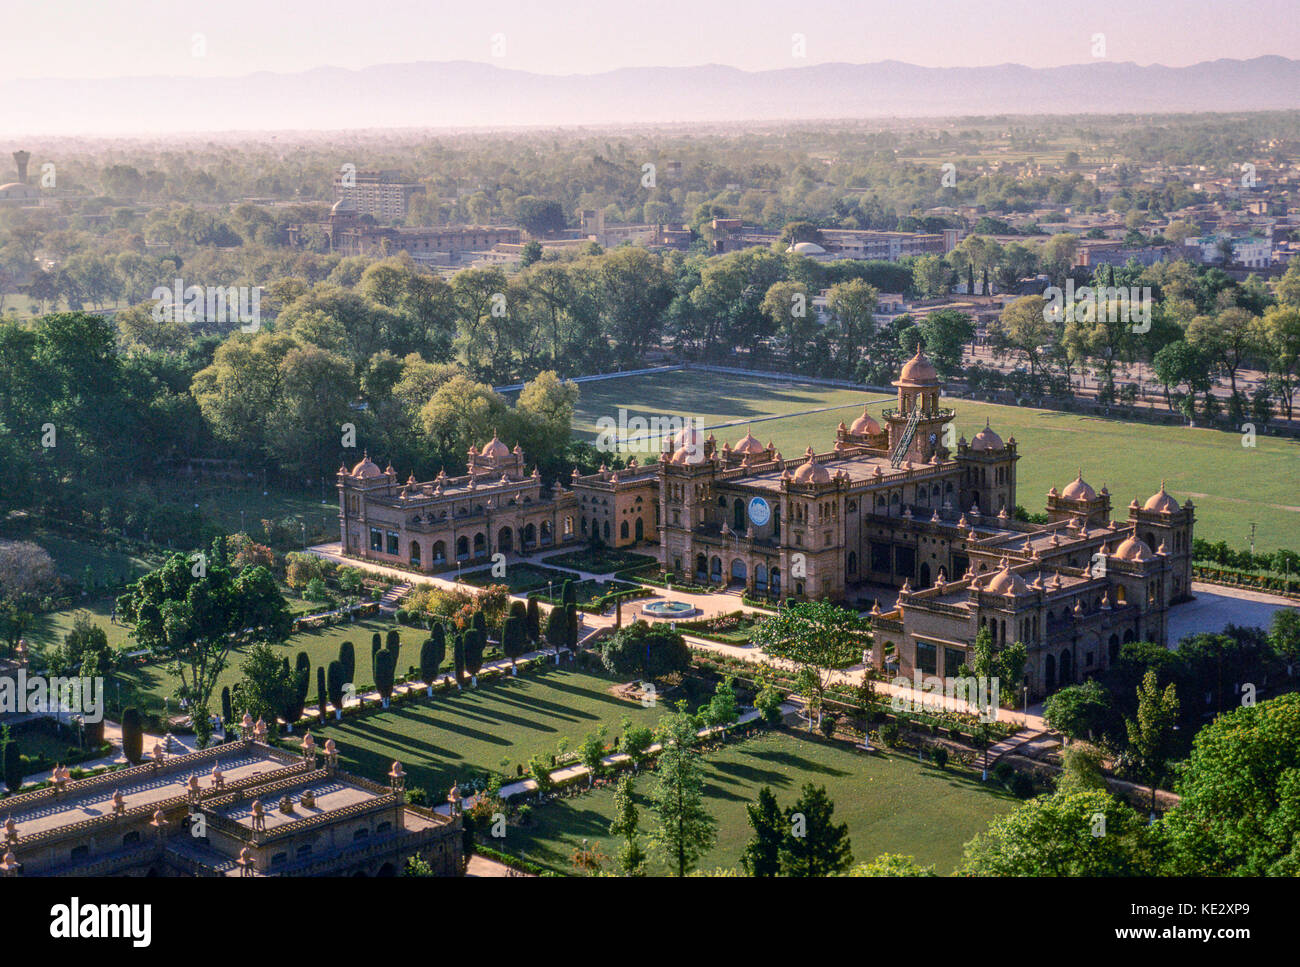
{"x": 759, "y": 512}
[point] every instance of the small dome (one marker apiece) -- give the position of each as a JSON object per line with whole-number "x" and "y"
{"x": 748, "y": 444}
{"x": 689, "y": 454}
{"x": 1134, "y": 549}
{"x": 865, "y": 425}
{"x": 495, "y": 448}
{"x": 1004, "y": 581}
{"x": 683, "y": 437}
{"x": 1077, "y": 489}
{"x": 1161, "y": 502}
{"x": 806, "y": 248}
{"x": 918, "y": 369}
{"x": 367, "y": 468}
{"x": 812, "y": 472}
{"x": 986, "y": 439}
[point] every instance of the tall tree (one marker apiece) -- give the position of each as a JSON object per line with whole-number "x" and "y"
{"x": 684, "y": 829}
{"x": 631, "y": 857}
{"x": 1151, "y": 735}
{"x": 762, "y": 856}
{"x": 814, "y": 845}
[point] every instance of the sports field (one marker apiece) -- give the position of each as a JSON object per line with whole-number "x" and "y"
{"x": 892, "y": 804}
{"x": 1230, "y": 485}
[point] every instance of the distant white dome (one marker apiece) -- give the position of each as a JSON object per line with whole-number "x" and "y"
{"x": 807, "y": 248}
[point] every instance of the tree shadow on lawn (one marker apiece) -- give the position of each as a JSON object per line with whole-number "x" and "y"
{"x": 793, "y": 761}
{"x": 393, "y": 739}
{"x": 527, "y": 703}
{"x": 500, "y": 717}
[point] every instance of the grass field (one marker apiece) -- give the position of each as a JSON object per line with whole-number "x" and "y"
{"x": 458, "y": 736}
{"x": 892, "y": 804}
{"x": 1230, "y": 485}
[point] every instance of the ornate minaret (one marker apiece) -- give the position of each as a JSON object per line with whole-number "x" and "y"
{"x": 916, "y": 424}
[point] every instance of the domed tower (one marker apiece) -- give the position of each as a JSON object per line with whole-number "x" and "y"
{"x": 916, "y": 424}
{"x": 989, "y": 477}
{"x": 1079, "y": 500}
{"x": 1167, "y": 527}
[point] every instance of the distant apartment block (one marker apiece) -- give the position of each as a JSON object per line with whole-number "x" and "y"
{"x": 379, "y": 193}
{"x": 1252, "y": 251}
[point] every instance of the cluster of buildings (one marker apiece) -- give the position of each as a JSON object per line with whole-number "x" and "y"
{"x": 241, "y": 808}
{"x": 888, "y": 512}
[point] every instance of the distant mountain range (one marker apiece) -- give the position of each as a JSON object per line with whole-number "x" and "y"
{"x": 460, "y": 94}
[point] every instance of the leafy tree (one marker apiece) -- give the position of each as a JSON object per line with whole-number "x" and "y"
{"x": 27, "y": 574}
{"x": 684, "y": 829}
{"x": 762, "y": 856}
{"x": 1151, "y": 735}
{"x": 1083, "y": 834}
{"x": 891, "y": 864}
{"x": 814, "y": 844}
{"x": 195, "y": 619}
{"x": 592, "y": 753}
{"x": 631, "y": 857}
{"x": 816, "y": 636}
{"x": 1079, "y": 711}
{"x": 645, "y": 651}
{"x": 723, "y": 709}
{"x": 268, "y": 687}
{"x": 637, "y": 740}
{"x": 1081, "y": 770}
{"x": 1239, "y": 811}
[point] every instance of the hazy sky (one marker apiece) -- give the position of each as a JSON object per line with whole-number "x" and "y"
{"x": 109, "y": 38}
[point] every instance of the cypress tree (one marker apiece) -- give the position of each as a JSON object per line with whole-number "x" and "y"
{"x": 348, "y": 659}
{"x": 132, "y": 736}
{"x": 336, "y": 678}
{"x": 533, "y": 621}
{"x": 393, "y": 642}
{"x": 321, "y": 693}
{"x": 475, "y": 643}
{"x": 13, "y": 766}
{"x": 432, "y": 653}
{"x": 513, "y": 640}
{"x": 458, "y": 657}
{"x": 385, "y": 670}
{"x": 227, "y": 713}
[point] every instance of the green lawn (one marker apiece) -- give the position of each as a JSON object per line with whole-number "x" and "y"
{"x": 149, "y": 684}
{"x": 604, "y": 561}
{"x": 459, "y": 736}
{"x": 892, "y": 804}
{"x": 519, "y": 578}
{"x": 1230, "y": 485}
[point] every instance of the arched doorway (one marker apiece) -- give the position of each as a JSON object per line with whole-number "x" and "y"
{"x": 640, "y": 530}
{"x": 623, "y": 532}
{"x": 925, "y": 575}
{"x": 760, "y": 579}
{"x": 530, "y": 535}
{"x": 480, "y": 544}
{"x": 462, "y": 548}
{"x": 776, "y": 580}
{"x": 1067, "y": 676}
{"x": 738, "y": 571}
{"x": 505, "y": 540}
{"x": 547, "y": 536}
{"x": 439, "y": 552}
{"x": 701, "y": 567}
{"x": 1049, "y": 674}
{"x": 715, "y": 570}
{"x": 415, "y": 553}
